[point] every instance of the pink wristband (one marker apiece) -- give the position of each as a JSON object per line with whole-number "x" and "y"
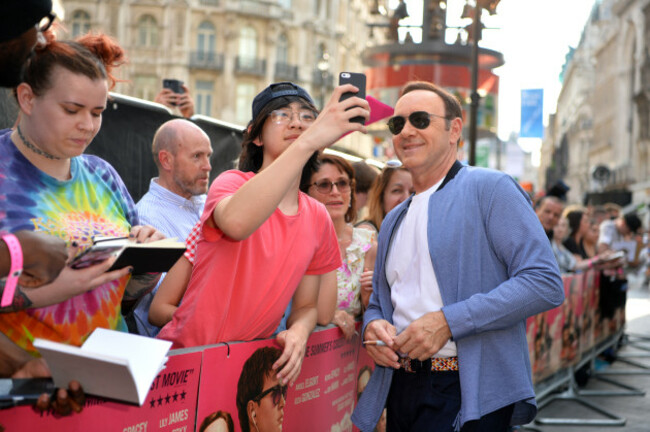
{"x": 16, "y": 255}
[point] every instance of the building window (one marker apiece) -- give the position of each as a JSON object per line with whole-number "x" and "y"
{"x": 321, "y": 53}
{"x": 285, "y": 3}
{"x": 146, "y": 87}
{"x": 328, "y": 9}
{"x": 147, "y": 31}
{"x": 206, "y": 42}
{"x": 247, "y": 47}
{"x": 283, "y": 49}
{"x": 80, "y": 23}
{"x": 245, "y": 95}
{"x": 203, "y": 93}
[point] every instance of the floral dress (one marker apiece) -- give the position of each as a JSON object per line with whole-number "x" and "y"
{"x": 349, "y": 274}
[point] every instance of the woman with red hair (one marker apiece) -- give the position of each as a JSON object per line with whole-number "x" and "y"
{"x": 47, "y": 184}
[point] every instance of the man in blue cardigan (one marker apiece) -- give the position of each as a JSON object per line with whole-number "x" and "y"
{"x": 460, "y": 266}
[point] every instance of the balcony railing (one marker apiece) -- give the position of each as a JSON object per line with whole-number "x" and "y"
{"x": 284, "y": 71}
{"x": 250, "y": 65}
{"x": 261, "y": 8}
{"x": 206, "y": 60}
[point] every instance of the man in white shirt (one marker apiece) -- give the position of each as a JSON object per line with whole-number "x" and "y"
{"x": 460, "y": 266}
{"x": 175, "y": 200}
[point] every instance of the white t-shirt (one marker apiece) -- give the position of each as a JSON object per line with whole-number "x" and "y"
{"x": 410, "y": 274}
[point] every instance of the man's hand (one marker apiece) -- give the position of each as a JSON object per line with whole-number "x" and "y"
{"x": 382, "y": 330}
{"x": 185, "y": 103}
{"x": 44, "y": 256}
{"x": 424, "y": 337}
{"x": 182, "y": 101}
{"x": 294, "y": 342}
{"x": 334, "y": 120}
{"x": 145, "y": 234}
{"x": 63, "y": 402}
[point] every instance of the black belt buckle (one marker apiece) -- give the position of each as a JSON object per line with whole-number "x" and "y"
{"x": 421, "y": 366}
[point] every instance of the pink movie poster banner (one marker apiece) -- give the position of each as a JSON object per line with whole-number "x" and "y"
{"x": 589, "y": 305}
{"x": 322, "y": 398}
{"x": 365, "y": 368}
{"x": 170, "y": 406}
{"x": 572, "y": 310}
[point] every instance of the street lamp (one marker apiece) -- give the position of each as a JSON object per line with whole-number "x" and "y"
{"x": 476, "y": 29}
{"x": 324, "y": 68}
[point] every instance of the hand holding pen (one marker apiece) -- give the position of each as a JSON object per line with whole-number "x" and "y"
{"x": 374, "y": 342}
{"x": 378, "y": 340}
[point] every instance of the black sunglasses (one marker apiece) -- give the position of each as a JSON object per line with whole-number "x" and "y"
{"x": 419, "y": 119}
{"x": 325, "y": 186}
{"x": 276, "y": 391}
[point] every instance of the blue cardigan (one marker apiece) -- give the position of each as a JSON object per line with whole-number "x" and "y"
{"x": 495, "y": 268}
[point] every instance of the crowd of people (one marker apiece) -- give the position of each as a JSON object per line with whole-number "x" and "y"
{"x": 442, "y": 262}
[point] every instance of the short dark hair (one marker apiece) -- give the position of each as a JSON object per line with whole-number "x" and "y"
{"x": 252, "y": 155}
{"x": 574, "y": 217}
{"x": 633, "y": 222}
{"x": 364, "y": 175}
{"x": 545, "y": 198}
{"x": 453, "y": 108}
{"x": 251, "y": 381}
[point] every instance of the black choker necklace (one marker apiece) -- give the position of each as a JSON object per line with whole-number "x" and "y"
{"x": 33, "y": 148}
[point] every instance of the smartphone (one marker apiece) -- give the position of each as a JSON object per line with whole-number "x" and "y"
{"x": 23, "y": 391}
{"x": 359, "y": 81}
{"x": 96, "y": 253}
{"x": 174, "y": 85}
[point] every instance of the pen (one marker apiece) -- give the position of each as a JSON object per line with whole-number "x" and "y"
{"x": 374, "y": 342}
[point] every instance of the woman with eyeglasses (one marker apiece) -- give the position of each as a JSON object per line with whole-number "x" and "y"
{"x": 264, "y": 243}
{"x": 332, "y": 183}
{"x": 389, "y": 189}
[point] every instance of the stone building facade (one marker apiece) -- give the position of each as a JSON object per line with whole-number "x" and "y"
{"x": 597, "y": 142}
{"x": 226, "y": 51}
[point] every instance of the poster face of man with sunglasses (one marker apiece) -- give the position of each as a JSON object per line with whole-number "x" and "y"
{"x": 460, "y": 266}
{"x": 260, "y": 396}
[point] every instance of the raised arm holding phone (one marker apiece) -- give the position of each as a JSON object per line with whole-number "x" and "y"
{"x": 270, "y": 242}
{"x": 176, "y": 96}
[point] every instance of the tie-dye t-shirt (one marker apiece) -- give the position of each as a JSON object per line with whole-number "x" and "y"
{"x": 93, "y": 202}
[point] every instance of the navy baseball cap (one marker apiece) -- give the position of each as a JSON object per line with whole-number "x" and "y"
{"x": 278, "y": 90}
{"x": 18, "y": 16}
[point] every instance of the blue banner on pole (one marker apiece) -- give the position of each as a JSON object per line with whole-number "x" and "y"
{"x": 532, "y": 104}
